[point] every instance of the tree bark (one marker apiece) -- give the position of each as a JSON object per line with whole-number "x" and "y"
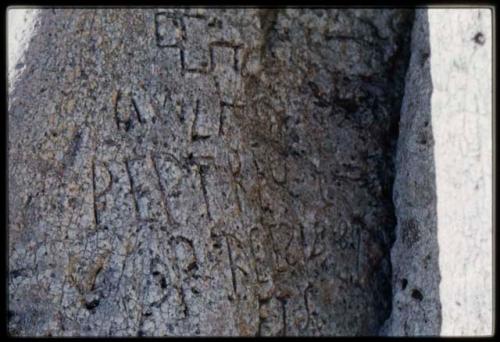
{"x": 204, "y": 172}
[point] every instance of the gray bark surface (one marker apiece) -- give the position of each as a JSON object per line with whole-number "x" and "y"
{"x": 415, "y": 253}
{"x": 204, "y": 172}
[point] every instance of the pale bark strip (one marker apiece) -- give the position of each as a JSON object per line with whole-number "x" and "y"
{"x": 461, "y": 65}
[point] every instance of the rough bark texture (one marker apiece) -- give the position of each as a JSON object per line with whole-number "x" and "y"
{"x": 220, "y": 172}
{"x": 205, "y": 172}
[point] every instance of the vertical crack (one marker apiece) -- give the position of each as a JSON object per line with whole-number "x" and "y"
{"x": 202, "y": 172}
{"x": 233, "y": 273}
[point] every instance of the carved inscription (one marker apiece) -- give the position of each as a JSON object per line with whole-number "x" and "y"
{"x": 278, "y": 251}
{"x": 220, "y": 202}
{"x": 169, "y": 30}
{"x": 286, "y": 245}
{"x": 258, "y": 237}
{"x": 272, "y": 318}
{"x": 101, "y": 184}
{"x": 132, "y": 109}
{"x": 335, "y": 238}
{"x": 187, "y": 34}
{"x": 102, "y": 180}
{"x": 122, "y": 112}
{"x": 342, "y": 234}
{"x": 239, "y": 263}
{"x": 185, "y": 255}
{"x": 181, "y": 184}
{"x": 143, "y": 107}
{"x": 278, "y": 168}
{"x": 206, "y": 119}
{"x": 148, "y": 178}
{"x": 225, "y": 64}
{"x": 186, "y": 263}
{"x": 196, "y": 53}
{"x": 145, "y": 189}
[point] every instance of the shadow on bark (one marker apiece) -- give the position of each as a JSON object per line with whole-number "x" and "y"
{"x": 415, "y": 254}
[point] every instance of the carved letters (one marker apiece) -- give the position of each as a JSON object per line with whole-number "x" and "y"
{"x": 258, "y": 239}
{"x": 132, "y": 110}
{"x": 168, "y": 30}
{"x": 286, "y": 245}
{"x": 187, "y": 34}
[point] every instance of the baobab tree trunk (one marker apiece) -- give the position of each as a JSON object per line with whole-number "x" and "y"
{"x": 204, "y": 172}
